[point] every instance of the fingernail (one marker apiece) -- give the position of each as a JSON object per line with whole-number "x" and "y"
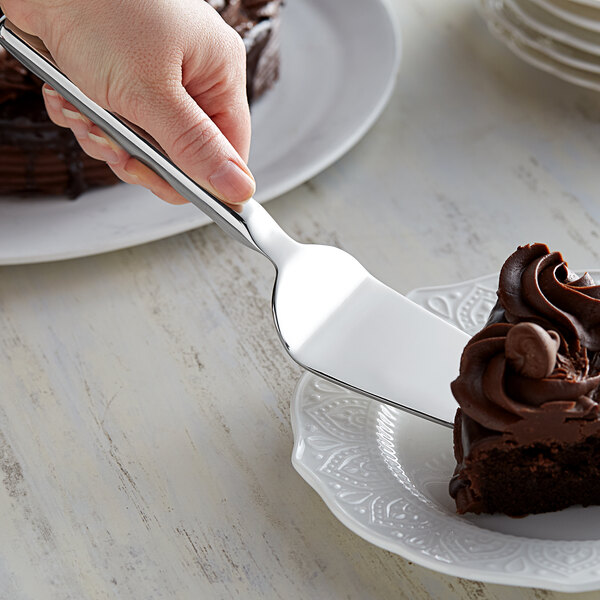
{"x": 73, "y": 114}
{"x": 106, "y": 140}
{"x": 232, "y": 184}
{"x": 108, "y": 154}
{"x": 77, "y": 122}
{"x": 50, "y": 92}
{"x": 52, "y": 98}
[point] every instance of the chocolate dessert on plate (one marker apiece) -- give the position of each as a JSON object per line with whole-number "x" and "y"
{"x": 37, "y": 158}
{"x": 527, "y": 433}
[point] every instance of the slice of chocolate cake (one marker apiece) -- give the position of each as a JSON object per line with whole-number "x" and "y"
{"x": 39, "y": 159}
{"x": 527, "y": 433}
{"x": 258, "y": 23}
{"x": 36, "y": 156}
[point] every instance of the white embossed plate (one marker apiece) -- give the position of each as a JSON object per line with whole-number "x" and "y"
{"x": 385, "y": 475}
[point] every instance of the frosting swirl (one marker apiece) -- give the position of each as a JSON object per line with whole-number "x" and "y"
{"x": 536, "y": 285}
{"x": 531, "y": 350}
{"x": 526, "y": 389}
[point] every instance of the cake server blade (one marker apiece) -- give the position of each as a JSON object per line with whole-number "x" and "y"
{"x": 333, "y": 317}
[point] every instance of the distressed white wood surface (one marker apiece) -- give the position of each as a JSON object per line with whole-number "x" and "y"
{"x": 144, "y": 429}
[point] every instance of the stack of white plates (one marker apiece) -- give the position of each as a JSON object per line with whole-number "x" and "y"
{"x": 558, "y": 36}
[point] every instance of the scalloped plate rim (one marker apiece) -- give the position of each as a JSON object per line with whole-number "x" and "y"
{"x": 397, "y": 547}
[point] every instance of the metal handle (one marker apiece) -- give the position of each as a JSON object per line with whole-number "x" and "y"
{"x": 251, "y": 225}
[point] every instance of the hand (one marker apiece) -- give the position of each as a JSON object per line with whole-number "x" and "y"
{"x": 174, "y": 68}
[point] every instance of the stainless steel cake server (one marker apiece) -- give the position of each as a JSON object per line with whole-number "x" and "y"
{"x": 333, "y": 317}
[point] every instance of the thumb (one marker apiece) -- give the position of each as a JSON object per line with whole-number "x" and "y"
{"x": 197, "y": 146}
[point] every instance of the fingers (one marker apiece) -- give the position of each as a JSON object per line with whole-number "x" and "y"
{"x": 234, "y": 122}
{"x": 133, "y": 171}
{"x": 89, "y": 136}
{"x": 223, "y": 121}
{"x": 197, "y": 145}
{"x": 98, "y": 145}
{"x": 20, "y": 14}
{"x": 228, "y": 107}
{"x": 191, "y": 139}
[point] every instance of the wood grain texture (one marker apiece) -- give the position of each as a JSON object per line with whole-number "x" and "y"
{"x": 144, "y": 424}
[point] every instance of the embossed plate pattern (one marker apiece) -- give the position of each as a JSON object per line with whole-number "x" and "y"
{"x": 385, "y": 473}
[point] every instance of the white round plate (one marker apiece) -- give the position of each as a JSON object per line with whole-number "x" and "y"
{"x": 592, "y": 3}
{"x": 577, "y": 14}
{"x": 553, "y": 27}
{"x": 561, "y": 60}
{"x": 339, "y": 60}
{"x": 551, "y": 56}
{"x": 385, "y": 475}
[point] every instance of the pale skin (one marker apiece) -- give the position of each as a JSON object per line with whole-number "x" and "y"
{"x": 173, "y": 67}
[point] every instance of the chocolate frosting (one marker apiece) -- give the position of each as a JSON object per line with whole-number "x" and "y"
{"x": 536, "y": 285}
{"x": 532, "y": 375}
{"x": 531, "y": 351}
{"x": 526, "y": 376}
{"x": 517, "y": 401}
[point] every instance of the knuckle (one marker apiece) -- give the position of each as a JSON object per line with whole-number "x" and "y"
{"x": 122, "y": 92}
{"x": 18, "y": 12}
{"x": 11, "y": 8}
{"x": 237, "y": 51}
{"x": 132, "y": 97}
{"x": 238, "y": 47}
{"x": 198, "y": 141}
{"x": 229, "y": 47}
{"x": 56, "y": 116}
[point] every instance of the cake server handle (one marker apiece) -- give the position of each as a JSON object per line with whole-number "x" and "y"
{"x": 332, "y": 316}
{"x": 251, "y": 224}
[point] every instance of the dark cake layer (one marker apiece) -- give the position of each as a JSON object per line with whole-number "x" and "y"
{"x": 69, "y": 173}
{"x": 38, "y": 158}
{"x": 517, "y": 480}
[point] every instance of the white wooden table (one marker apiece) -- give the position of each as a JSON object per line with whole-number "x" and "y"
{"x": 144, "y": 417}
